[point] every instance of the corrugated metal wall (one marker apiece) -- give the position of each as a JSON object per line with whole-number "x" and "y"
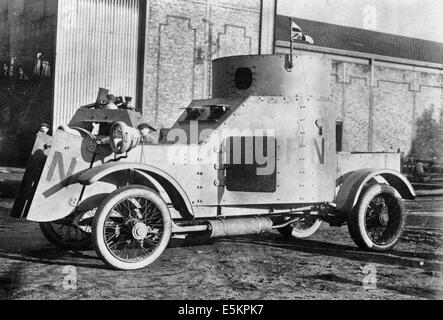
{"x": 97, "y": 46}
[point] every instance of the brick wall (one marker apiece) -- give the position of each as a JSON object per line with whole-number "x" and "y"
{"x": 351, "y": 99}
{"x": 183, "y": 37}
{"x": 382, "y": 117}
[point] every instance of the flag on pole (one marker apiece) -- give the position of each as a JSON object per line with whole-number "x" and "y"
{"x": 296, "y": 31}
{"x": 298, "y": 35}
{"x": 308, "y": 39}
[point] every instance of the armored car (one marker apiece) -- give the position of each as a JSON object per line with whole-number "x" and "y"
{"x": 260, "y": 155}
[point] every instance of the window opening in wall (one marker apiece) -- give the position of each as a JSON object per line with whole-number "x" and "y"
{"x": 339, "y": 136}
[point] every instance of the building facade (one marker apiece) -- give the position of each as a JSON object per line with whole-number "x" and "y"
{"x": 183, "y": 37}
{"x": 159, "y": 52}
{"x": 382, "y": 84}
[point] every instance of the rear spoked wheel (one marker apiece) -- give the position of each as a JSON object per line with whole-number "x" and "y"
{"x": 304, "y": 227}
{"x": 132, "y": 228}
{"x": 378, "y": 219}
{"x": 66, "y": 236}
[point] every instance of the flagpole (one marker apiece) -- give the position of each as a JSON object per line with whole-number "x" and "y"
{"x": 291, "y": 44}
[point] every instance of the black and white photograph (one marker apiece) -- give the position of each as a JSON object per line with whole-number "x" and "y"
{"x": 221, "y": 150}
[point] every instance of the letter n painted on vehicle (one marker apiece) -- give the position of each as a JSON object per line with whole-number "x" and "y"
{"x": 58, "y": 161}
{"x": 320, "y": 154}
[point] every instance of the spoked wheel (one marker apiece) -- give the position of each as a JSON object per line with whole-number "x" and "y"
{"x": 379, "y": 218}
{"x": 66, "y": 236}
{"x": 304, "y": 227}
{"x": 132, "y": 228}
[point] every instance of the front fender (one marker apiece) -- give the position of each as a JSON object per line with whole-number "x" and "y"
{"x": 352, "y": 185}
{"x": 174, "y": 190}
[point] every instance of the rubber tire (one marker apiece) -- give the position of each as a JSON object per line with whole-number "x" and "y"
{"x": 102, "y": 213}
{"x": 356, "y": 218}
{"x": 287, "y": 231}
{"x": 54, "y": 238}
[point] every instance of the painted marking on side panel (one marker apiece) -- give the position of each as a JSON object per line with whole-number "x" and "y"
{"x": 320, "y": 154}
{"x": 58, "y": 161}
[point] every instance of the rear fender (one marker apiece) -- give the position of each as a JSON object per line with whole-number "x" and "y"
{"x": 352, "y": 185}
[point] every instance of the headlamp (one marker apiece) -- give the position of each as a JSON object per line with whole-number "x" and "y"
{"x": 123, "y": 138}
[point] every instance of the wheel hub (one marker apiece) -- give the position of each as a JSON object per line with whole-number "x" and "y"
{"x": 384, "y": 219}
{"x": 140, "y": 231}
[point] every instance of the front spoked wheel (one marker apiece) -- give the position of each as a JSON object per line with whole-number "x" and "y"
{"x": 378, "y": 219}
{"x": 132, "y": 228}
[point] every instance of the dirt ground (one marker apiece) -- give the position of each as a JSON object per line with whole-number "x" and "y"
{"x": 327, "y": 266}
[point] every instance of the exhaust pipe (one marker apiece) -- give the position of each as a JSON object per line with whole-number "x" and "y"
{"x": 229, "y": 227}
{"x": 239, "y": 226}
